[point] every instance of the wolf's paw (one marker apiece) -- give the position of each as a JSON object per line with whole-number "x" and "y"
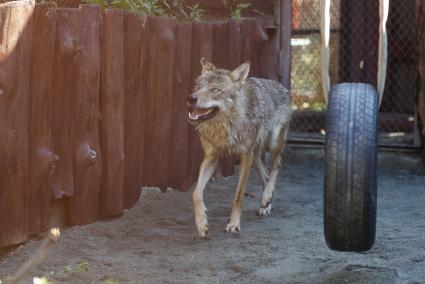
{"x": 233, "y": 227}
{"x": 202, "y": 224}
{"x": 265, "y": 211}
{"x": 203, "y": 230}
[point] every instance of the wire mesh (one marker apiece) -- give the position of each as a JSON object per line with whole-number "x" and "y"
{"x": 353, "y": 58}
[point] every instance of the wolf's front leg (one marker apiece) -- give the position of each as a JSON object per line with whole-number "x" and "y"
{"x": 235, "y": 218}
{"x": 208, "y": 166}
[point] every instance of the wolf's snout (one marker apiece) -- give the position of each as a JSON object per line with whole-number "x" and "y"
{"x": 192, "y": 100}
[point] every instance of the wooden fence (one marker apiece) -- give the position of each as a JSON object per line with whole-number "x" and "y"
{"x": 420, "y": 51}
{"x": 420, "y": 45}
{"x": 92, "y": 107}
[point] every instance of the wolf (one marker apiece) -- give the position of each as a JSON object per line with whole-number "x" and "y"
{"x": 241, "y": 116}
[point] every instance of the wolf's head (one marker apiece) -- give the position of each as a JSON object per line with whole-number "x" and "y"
{"x": 215, "y": 91}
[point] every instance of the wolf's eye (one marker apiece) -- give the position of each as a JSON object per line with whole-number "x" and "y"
{"x": 215, "y": 90}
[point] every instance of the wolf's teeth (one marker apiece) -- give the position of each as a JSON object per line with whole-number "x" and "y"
{"x": 196, "y": 116}
{"x": 193, "y": 116}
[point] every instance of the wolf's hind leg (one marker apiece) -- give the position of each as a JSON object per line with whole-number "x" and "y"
{"x": 276, "y": 147}
{"x": 208, "y": 166}
{"x": 261, "y": 169}
{"x": 235, "y": 218}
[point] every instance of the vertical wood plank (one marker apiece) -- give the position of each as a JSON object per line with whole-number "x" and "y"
{"x": 134, "y": 106}
{"x": 234, "y": 56}
{"x": 112, "y": 113}
{"x": 253, "y": 36}
{"x": 15, "y": 50}
{"x": 221, "y": 59}
{"x": 83, "y": 206}
{"x": 66, "y": 68}
{"x": 285, "y": 28}
{"x": 220, "y": 45}
{"x": 420, "y": 26}
{"x": 359, "y": 17}
{"x": 178, "y": 169}
{"x": 269, "y": 54}
{"x": 158, "y": 104}
{"x": 202, "y": 46}
{"x": 420, "y": 48}
{"x": 41, "y": 156}
{"x": 234, "y": 45}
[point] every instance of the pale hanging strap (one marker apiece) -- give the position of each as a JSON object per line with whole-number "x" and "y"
{"x": 325, "y": 28}
{"x": 383, "y": 47}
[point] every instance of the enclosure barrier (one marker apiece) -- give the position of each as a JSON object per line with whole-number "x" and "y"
{"x": 353, "y": 45}
{"x": 92, "y": 107}
{"x": 420, "y": 44}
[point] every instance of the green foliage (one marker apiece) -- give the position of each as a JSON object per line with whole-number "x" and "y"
{"x": 81, "y": 266}
{"x": 319, "y": 106}
{"x": 196, "y": 13}
{"x": 111, "y": 280}
{"x": 175, "y": 9}
{"x": 234, "y": 9}
{"x": 41, "y": 280}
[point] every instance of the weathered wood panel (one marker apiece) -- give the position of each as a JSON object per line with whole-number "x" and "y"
{"x": 15, "y": 50}
{"x": 159, "y": 67}
{"x": 66, "y": 68}
{"x": 284, "y": 12}
{"x": 221, "y": 59}
{"x": 268, "y": 63}
{"x": 234, "y": 55}
{"x": 420, "y": 23}
{"x": 202, "y": 46}
{"x": 84, "y": 204}
{"x": 234, "y": 45}
{"x": 253, "y": 35}
{"x": 359, "y": 18}
{"x": 92, "y": 107}
{"x": 178, "y": 165}
{"x": 134, "y": 39}
{"x": 42, "y": 158}
{"x": 420, "y": 49}
{"x": 112, "y": 113}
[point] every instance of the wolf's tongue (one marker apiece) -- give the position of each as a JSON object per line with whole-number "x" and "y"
{"x": 198, "y": 111}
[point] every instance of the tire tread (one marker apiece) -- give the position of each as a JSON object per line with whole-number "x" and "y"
{"x": 350, "y": 167}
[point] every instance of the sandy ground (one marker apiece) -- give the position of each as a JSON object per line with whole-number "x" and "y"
{"x": 155, "y": 242}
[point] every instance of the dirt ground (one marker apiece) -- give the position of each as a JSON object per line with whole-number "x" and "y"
{"x": 155, "y": 242}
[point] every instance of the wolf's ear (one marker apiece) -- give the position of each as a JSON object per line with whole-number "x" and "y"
{"x": 241, "y": 73}
{"x": 207, "y": 66}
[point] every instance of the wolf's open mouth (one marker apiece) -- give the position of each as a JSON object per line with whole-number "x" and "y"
{"x": 202, "y": 114}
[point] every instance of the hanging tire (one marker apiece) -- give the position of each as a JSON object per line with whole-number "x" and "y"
{"x": 350, "y": 198}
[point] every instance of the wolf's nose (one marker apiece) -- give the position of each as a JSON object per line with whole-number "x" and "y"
{"x": 192, "y": 100}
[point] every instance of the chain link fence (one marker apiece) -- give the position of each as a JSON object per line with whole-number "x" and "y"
{"x": 353, "y": 58}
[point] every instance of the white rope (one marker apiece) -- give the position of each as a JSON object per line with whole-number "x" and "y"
{"x": 325, "y": 28}
{"x": 383, "y": 47}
